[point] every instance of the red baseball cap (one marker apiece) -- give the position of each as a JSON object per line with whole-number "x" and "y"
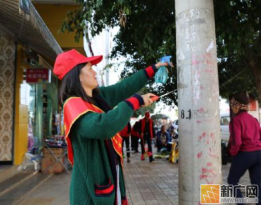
{"x": 66, "y": 61}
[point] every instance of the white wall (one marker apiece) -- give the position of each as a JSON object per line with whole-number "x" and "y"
{"x": 256, "y": 113}
{"x": 102, "y": 45}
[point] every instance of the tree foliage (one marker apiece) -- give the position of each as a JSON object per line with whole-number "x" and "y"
{"x": 147, "y": 32}
{"x": 238, "y": 39}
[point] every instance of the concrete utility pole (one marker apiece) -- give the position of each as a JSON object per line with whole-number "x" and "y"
{"x": 198, "y": 91}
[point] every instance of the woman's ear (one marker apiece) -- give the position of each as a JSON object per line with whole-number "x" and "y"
{"x": 80, "y": 77}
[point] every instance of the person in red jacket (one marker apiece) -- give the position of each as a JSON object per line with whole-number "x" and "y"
{"x": 147, "y": 134}
{"x": 125, "y": 134}
{"x": 135, "y": 135}
{"x": 244, "y": 144}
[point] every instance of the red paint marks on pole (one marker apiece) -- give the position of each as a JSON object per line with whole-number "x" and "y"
{"x": 209, "y": 164}
{"x": 208, "y": 175}
{"x": 199, "y": 155}
{"x": 201, "y": 110}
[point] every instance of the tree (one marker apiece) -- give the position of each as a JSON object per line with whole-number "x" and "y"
{"x": 238, "y": 39}
{"x": 159, "y": 116}
{"x": 147, "y": 32}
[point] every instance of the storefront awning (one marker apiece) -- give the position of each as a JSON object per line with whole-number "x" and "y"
{"x": 22, "y": 22}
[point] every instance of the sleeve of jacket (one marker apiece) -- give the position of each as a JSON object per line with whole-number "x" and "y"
{"x": 236, "y": 136}
{"x": 127, "y": 87}
{"x": 105, "y": 125}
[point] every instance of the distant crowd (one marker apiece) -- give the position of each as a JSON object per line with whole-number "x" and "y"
{"x": 147, "y": 132}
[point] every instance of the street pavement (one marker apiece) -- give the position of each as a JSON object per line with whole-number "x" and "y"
{"x": 146, "y": 183}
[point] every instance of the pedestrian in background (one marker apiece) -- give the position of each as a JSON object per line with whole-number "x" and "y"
{"x": 171, "y": 132}
{"x": 125, "y": 134}
{"x": 135, "y": 136}
{"x": 147, "y": 134}
{"x": 92, "y": 118}
{"x": 244, "y": 144}
{"x": 163, "y": 139}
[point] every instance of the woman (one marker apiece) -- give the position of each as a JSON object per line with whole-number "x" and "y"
{"x": 244, "y": 143}
{"x": 93, "y": 117}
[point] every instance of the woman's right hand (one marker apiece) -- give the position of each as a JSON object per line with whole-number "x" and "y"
{"x": 147, "y": 99}
{"x": 159, "y": 64}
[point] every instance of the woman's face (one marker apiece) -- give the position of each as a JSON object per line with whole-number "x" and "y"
{"x": 88, "y": 78}
{"x": 235, "y": 110}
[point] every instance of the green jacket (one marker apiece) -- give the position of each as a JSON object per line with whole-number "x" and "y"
{"x": 92, "y": 169}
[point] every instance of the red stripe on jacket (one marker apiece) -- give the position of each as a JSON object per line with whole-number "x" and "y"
{"x": 150, "y": 71}
{"x": 106, "y": 189}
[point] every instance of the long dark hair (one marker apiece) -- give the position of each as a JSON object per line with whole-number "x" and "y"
{"x": 72, "y": 87}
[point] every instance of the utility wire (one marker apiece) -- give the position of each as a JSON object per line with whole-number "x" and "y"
{"x": 231, "y": 79}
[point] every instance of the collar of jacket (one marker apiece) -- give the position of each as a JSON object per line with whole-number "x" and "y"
{"x": 73, "y": 109}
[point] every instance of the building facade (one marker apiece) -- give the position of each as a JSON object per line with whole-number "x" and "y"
{"x": 29, "y": 40}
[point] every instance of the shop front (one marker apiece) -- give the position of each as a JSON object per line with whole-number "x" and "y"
{"x": 26, "y": 108}
{"x": 36, "y": 104}
{"x": 39, "y": 92}
{"x": 39, "y": 99}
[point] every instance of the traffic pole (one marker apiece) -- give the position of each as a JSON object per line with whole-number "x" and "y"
{"x": 198, "y": 99}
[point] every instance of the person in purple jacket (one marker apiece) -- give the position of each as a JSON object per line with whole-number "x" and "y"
{"x": 244, "y": 144}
